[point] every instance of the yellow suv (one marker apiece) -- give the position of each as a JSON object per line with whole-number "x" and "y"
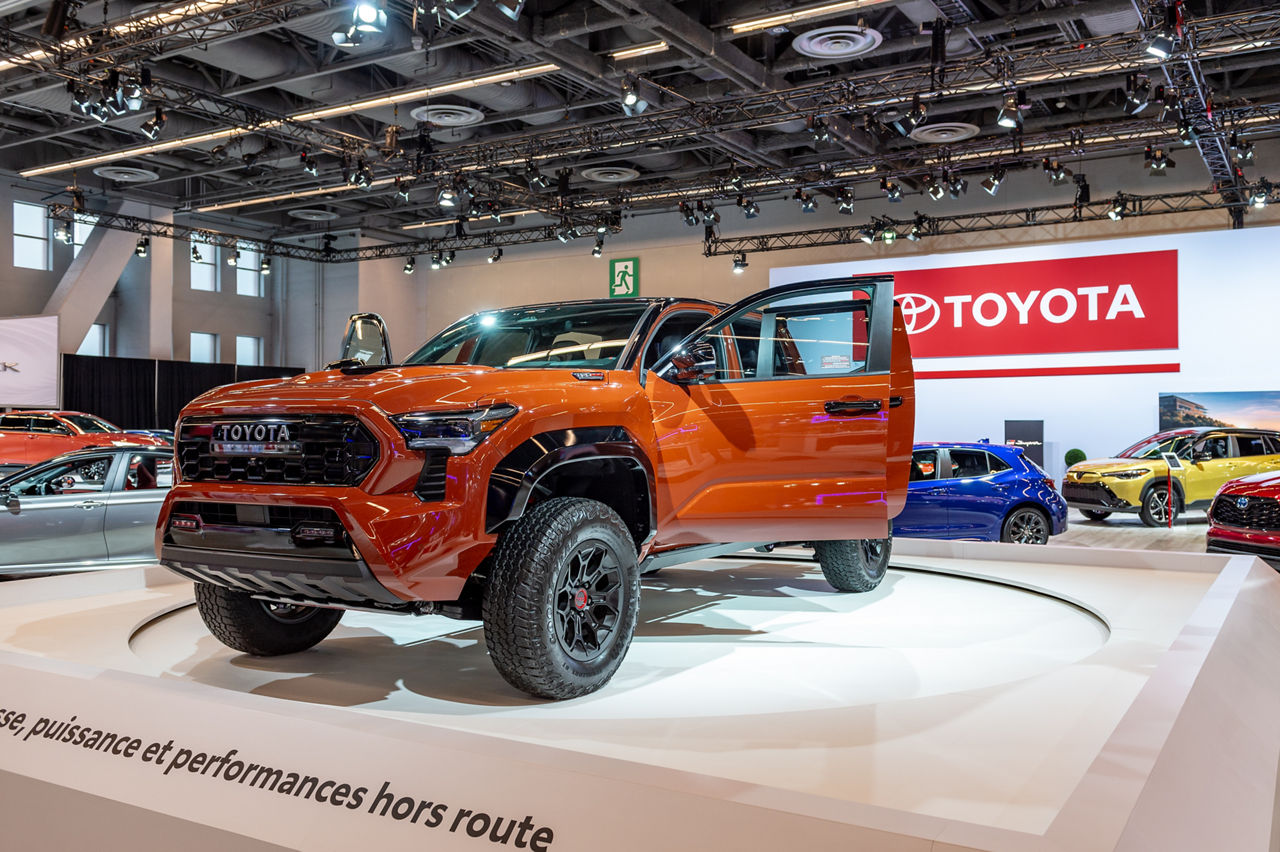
{"x": 1138, "y": 479}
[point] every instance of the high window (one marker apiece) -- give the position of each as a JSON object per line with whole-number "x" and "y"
{"x": 249, "y": 273}
{"x": 95, "y": 342}
{"x": 204, "y": 347}
{"x": 248, "y": 351}
{"x": 30, "y": 236}
{"x": 204, "y": 266}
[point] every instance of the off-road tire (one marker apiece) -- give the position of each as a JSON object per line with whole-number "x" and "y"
{"x": 1154, "y": 501}
{"x": 541, "y": 641}
{"x": 857, "y": 565}
{"x": 257, "y": 627}
{"x": 1095, "y": 515}
{"x": 1026, "y": 525}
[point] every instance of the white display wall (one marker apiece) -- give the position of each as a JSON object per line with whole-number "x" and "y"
{"x": 29, "y": 362}
{"x": 1220, "y": 309}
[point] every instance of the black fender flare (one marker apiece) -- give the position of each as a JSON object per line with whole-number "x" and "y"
{"x": 514, "y": 478}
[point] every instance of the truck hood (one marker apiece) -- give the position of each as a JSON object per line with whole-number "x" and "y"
{"x": 394, "y": 390}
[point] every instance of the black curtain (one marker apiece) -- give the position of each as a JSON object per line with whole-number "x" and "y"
{"x": 179, "y": 382}
{"x": 253, "y": 374}
{"x": 122, "y": 390}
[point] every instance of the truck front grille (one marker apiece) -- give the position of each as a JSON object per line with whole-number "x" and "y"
{"x": 321, "y": 449}
{"x": 1258, "y": 513}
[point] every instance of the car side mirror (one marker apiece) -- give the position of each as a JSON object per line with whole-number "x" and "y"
{"x": 1202, "y": 456}
{"x": 694, "y": 363}
{"x": 10, "y": 501}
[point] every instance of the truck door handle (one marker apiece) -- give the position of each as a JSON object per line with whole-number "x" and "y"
{"x": 90, "y": 504}
{"x": 851, "y": 407}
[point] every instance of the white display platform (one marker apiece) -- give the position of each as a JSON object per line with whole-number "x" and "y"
{"x": 990, "y": 697}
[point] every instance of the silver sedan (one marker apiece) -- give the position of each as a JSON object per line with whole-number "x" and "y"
{"x": 87, "y": 509}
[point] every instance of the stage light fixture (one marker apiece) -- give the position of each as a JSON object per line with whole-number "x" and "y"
{"x": 992, "y": 184}
{"x": 368, "y": 17}
{"x": 1082, "y": 191}
{"x": 1057, "y": 173}
{"x": 266, "y": 265}
{"x": 912, "y": 118}
{"x": 818, "y": 129}
{"x": 1261, "y": 194}
{"x": 151, "y": 127}
{"x": 495, "y": 255}
{"x": 410, "y": 265}
{"x": 536, "y": 179}
{"x": 437, "y": 260}
{"x": 1164, "y": 38}
{"x": 143, "y": 247}
{"x": 1242, "y": 148}
{"x": 957, "y": 185}
{"x": 750, "y": 209}
{"x": 917, "y": 229}
{"x": 62, "y": 233}
{"x": 1137, "y": 94}
{"x": 735, "y": 182}
{"x": 447, "y": 197}
{"x": 1119, "y": 208}
{"x": 195, "y": 255}
{"x": 598, "y": 249}
{"x": 510, "y": 8}
{"x": 688, "y": 214}
{"x": 133, "y": 93}
{"x": 80, "y": 99}
{"x": 866, "y": 234}
{"x": 234, "y": 258}
{"x": 454, "y": 9}
{"x": 710, "y": 215}
{"x": 740, "y": 263}
{"x": 808, "y": 203}
{"x": 891, "y": 189}
{"x": 844, "y": 202}
{"x": 1187, "y": 132}
{"x": 933, "y": 187}
{"x": 1010, "y": 114}
{"x": 632, "y": 103}
{"x": 1156, "y": 161}
{"x": 309, "y": 164}
{"x": 888, "y": 235}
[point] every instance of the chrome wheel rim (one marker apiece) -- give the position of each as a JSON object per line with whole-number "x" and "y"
{"x": 588, "y": 602}
{"x": 1028, "y": 527}
{"x": 1158, "y": 505}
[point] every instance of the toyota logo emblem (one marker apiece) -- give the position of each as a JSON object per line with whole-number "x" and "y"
{"x": 1242, "y": 502}
{"x": 919, "y": 312}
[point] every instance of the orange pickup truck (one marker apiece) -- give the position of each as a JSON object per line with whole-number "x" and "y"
{"x": 525, "y": 466}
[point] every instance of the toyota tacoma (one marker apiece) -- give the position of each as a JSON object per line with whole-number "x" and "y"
{"x": 525, "y": 466}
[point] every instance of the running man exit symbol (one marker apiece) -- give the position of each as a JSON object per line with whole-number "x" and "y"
{"x": 624, "y": 277}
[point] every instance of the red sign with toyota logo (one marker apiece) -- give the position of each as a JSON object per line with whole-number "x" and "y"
{"x": 1081, "y": 304}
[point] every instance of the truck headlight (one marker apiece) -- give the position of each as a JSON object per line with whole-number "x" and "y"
{"x": 459, "y": 432}
{"x": 1128, "y": 474}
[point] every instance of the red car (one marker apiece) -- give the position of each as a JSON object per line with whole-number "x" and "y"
{"x": 1245, "y": 517}
{"x": 28, "y": 437}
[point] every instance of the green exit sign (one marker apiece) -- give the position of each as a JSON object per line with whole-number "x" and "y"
{"x": 624, "y": 277}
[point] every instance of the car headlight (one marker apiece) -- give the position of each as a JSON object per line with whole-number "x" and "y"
{"x": 459, "y": 432}
{"x": 1128, "y": 474}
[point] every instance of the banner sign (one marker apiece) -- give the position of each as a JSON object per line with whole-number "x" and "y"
{"x": 29, "y": 362}
{"x": 1084, "y": 304}
{"x": 1028, "y": 434}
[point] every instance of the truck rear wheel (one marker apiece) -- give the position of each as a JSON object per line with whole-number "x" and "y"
{"x": 562, "y": 598}
{"x": 259, "y": 627}
{"x": 854, "y": 566}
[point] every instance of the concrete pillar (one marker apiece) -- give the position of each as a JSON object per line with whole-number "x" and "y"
{"x": 160, "y": 296}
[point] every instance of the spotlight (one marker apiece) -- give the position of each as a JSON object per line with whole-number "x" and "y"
{"x": 808, "y": 204}
{"x": 218, "y": 154}
{"x": 1243, "y": 149}
{"x": 632, "y": 103}
{"x": 598, "y": 248}
{"x": 447, "y": 197}
{"x": 455, "y": 9}
{"x": 151, "y": 127}
{"x": 866, "y": 234}
{"x": 750, "y": 209}
{"x": 1156, "y": 161}
{"x": 1164, "y": 38}
{"x": 103, "y": 114}
{"x": 1010, "y": 114}
{"x": 844, "y": 202}
{"x": 992, "y": 184}
{"x": 1055, "y": 171}
{"x": 81, "y": 101}
{"x": 891, "y": 190}
{"x": 233, "y": 258}
{"x": 536, "y": 179}
{"x": 369, "y": 17}
{"x": 350, "y": 37}
{"x": 933, "y": 187}
{"x": 911, "y": 119}
{"x": 1082, "y": 191}
{"x": 495, "y": 255}
{"x": 143, "y": 247}
{"x": 62, "y": 233}
{"x": 1187, "y": 132}
{"x": 437, "y": 260}
{"x": 565, "y": 233}
{"x": 1137, "y": 94}
{"x": 735, "y": 182}
{"x": 410, "y": 265}
{"x": 363, "y": 176}
{"x": 710, "y": 215}
{"x": 449, "y": 256}
{"x": 818, "y": 129}
{"x": 957, "y": 185}
{"x": 1261, "y": 194}
{"x": 266, "y": 265}
{"x": 1168, "y": 100}
{"x": 1119, "y": 208}
{"x": 888, "y": 235}
{"x": 740, "y": 263}
{"x": 402, "y": 190}
{"x": 309, "y": 164}
{"x": 195, "y": 255}
{"x": 510, "y": 8}
{"x": 917, "y": 229}
{"x": 133, "y": 91}
{"x": 688, "y": 214}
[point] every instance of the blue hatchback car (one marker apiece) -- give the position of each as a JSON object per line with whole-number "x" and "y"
{"x": 988, "y": 492}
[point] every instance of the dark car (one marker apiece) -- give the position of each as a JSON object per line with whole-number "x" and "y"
{"x": 988, "y": 492}
{"x": 85, "y": 509}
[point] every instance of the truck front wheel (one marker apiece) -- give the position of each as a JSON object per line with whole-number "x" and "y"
{"x": 562, "y": 598}
{"x": 259, "y": 627}
{"x": 854, "y": 566}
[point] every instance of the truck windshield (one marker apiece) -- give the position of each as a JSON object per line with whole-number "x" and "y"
{"x": 568, "y": 336}
{"x": 88, "y": 423}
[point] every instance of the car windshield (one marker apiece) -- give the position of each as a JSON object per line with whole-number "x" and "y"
{"x": 89, "y": 423}
{"x": 1151, "y": 448}
{"x": 562, "y": 336}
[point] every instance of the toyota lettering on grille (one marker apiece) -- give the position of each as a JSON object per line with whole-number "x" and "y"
{"x": 255, "y": 439}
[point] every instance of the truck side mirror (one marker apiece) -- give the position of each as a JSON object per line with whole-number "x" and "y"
{"x": 696, "y": 362}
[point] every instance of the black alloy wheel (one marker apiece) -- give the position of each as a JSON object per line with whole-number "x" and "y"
{"x": 1095, "y": 515}
{"x": 1026, "y": 525}
{"x": 588, "y": 601}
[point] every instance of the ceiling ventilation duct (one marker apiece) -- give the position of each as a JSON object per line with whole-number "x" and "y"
{"x": 836, "y": 44}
